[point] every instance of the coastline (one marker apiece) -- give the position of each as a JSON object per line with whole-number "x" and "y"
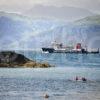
{"x": 11, "y": 59}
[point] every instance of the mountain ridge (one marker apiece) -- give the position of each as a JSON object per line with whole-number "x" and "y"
{"x": 31, "y": 34}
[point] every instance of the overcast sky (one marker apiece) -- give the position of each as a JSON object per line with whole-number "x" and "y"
{"x": 25, "y": 6}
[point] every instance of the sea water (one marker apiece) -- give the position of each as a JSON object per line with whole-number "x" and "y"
{"x": 58, "y": 82}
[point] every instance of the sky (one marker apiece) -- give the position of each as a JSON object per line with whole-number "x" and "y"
{"x": 22, "y": 5}
{"x": 63, "y": 9}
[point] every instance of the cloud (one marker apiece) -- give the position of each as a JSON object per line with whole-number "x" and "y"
{"x": 18, "y": 6}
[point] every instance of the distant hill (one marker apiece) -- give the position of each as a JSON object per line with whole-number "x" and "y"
{"x": 90, "y": 20}
{"x": 21, "y": 32}
{"x": 67, "y": 13}
{"x": 16, "y": 30}
{"x": 85, "y": 30}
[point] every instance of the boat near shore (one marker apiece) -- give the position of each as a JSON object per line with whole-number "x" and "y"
{"x": 78, "y": 48}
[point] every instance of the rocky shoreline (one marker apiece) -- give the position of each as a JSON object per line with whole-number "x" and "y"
{"x": 11, "y": 59}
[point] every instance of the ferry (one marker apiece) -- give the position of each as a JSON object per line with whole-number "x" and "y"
{"x": 59, "y": 48}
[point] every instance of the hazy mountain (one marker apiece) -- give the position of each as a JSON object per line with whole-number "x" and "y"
{"x": 85, "y": 30}
{"x": 64, "y": 13}
{"x": 20, "y": 32}
{"x": 16, "y": 30}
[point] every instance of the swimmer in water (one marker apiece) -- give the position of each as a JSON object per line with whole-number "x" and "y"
{"x": 76, "y": 78}
{"x": 84, "y": 79}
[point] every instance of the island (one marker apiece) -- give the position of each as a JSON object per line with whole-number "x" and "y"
{"x": 11, "y": 59}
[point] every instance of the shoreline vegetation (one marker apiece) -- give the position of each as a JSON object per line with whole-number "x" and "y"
{"x": 11, "y": 59}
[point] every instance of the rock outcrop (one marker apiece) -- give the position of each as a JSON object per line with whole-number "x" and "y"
{"x": 11, "y": 59}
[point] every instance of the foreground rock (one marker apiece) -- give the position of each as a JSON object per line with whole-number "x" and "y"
{"x": 11, "y": 59}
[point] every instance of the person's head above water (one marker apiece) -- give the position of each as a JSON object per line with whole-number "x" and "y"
{"x": 84, "y": 79}
{"x": 76, "y": 78}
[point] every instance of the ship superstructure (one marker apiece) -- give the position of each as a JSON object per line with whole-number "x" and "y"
{"x": 60, "y": 48}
